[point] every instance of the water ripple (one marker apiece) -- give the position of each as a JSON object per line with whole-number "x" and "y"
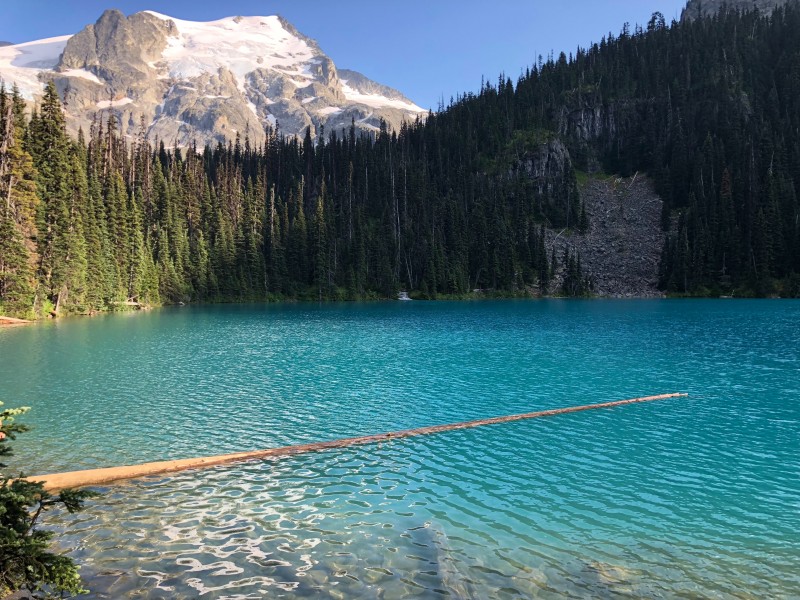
{"x": 680, "y": 499}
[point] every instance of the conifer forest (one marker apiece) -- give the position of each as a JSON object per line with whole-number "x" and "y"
{"x": 709, "y": 109}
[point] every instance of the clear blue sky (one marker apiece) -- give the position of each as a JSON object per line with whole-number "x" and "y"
{"x": 428, "y": 49}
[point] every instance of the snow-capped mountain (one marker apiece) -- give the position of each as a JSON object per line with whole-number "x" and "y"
{"x": 188, "y": 82}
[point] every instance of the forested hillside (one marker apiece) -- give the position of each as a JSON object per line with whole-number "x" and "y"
{"x": 711, "y": 109}
{"x": 457, "y": 201}
{"x": 94, "y": 223}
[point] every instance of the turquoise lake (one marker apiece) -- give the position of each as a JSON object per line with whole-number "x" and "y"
{"x": 682, "y": 498}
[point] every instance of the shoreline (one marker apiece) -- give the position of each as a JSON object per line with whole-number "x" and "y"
{"x": 9, "y": 322}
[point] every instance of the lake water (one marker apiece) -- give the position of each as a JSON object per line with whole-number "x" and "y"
{"x": 692, "y": 497}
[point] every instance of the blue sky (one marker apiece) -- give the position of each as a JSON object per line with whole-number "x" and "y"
{"x": 428, "y": 49}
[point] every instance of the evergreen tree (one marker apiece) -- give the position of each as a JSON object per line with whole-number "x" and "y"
{"x": 26, "y": 558}
{"x": 60, "y": 230}
{"x": 18, "y": 204}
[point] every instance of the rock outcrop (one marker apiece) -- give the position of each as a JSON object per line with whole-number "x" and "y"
{"x": 707, "y": 8}
{"x": 548, "y": 166}
{"x": 187, "y": 82}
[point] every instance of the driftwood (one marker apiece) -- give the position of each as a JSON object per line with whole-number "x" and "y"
{"x": 10, "y": 321}
{"x": 75, "y": 479}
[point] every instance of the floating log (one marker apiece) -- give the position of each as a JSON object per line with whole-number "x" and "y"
{"x": 76, "y": 479}
{"x": 11, "y": 321}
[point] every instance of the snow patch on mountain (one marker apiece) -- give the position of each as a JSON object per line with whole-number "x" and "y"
{"x": 111, "y": 103}
{"x": 23, "y": 63}
{"x": 83, "y": 74}
{"x": 377, "y": 100}
{"x": 240, "y": 44}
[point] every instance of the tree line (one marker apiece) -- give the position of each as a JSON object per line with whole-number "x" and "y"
{"x": 96, "y": 222}
{"x": 457, "y": 201}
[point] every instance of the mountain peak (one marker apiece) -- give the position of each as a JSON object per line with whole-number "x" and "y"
{"x": 201, "y": 82}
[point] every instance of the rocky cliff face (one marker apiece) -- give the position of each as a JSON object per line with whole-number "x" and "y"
{"x": 548, "y": 165}
{"x": 707, "y": 8}
{"x": 187, "y": 82}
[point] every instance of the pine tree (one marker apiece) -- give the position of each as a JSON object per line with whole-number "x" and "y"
{"x": 18, "y": 203}
{"x": 58, "y": 220}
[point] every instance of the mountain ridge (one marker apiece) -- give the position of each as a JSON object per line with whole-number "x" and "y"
{"x": 708, "y": 8}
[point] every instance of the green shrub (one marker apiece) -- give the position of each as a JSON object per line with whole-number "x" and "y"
{"x": 26, "y": 560}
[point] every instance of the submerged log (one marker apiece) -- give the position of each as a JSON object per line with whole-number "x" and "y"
{"x": 75, "y": 479}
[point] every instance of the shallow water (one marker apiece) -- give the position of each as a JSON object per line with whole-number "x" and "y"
{"x": 680, "y": 498}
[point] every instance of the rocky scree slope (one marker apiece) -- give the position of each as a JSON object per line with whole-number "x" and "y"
{"x": 187, "y": 82}
{"x": 621, "y": 250}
